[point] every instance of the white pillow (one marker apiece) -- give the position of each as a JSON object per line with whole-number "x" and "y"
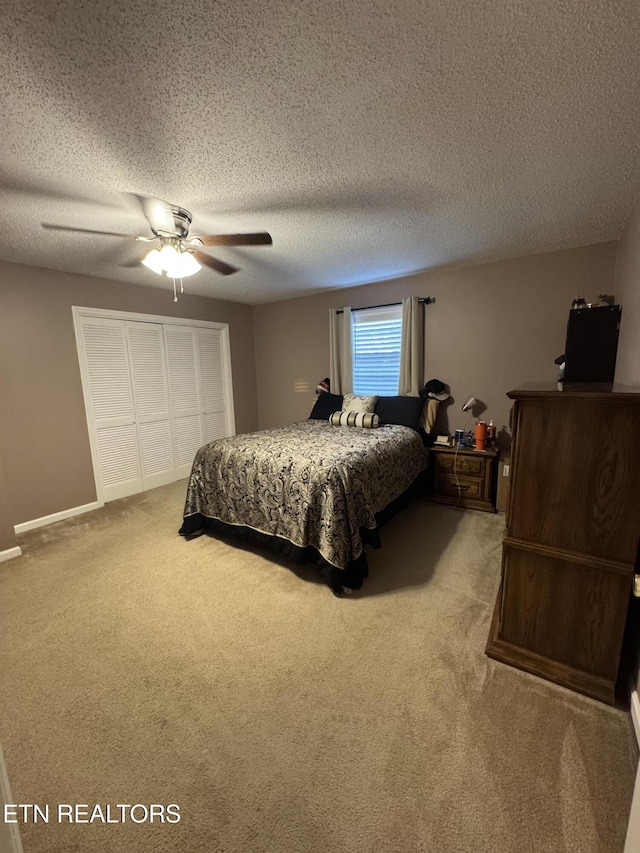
{"x": 355, "y": 403}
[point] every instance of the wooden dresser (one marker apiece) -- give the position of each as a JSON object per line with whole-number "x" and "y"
{"x": 573, "y": 528}
{"x": 464, "y": 479}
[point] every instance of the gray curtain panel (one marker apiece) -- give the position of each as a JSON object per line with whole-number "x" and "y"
{"x": 340, "y": 351}
{"x": 411, "y": 348}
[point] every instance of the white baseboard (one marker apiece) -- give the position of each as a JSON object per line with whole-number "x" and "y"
{"x": 9, "y": 835}
{"x": 56, "y": 516}
{"x": 10, "y": 553}
{"x": 635, "y": 714}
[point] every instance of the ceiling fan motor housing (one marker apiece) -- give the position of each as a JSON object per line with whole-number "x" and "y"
{"x": 182, "y": 221}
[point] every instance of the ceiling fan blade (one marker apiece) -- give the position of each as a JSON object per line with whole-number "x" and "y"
{"x": 158, "y": 214}
{"x": 214, "y": 263}
{"x": 259, "y": 239}
{"x": 51, "y": 227}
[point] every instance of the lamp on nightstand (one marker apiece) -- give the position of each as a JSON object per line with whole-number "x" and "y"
{"x": 467, "y": 406}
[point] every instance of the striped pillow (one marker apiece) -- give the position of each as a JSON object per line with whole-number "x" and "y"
{"x": 368, "y": 420}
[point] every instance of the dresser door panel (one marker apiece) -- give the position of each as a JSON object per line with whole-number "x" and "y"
{"x": 565, "y": 610}
{"x": 575, "y": 477}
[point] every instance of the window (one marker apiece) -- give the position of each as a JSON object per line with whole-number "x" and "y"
{"x": 377, "y": 333}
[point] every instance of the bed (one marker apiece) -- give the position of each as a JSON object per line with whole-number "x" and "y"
{"x": 313, "y": 492}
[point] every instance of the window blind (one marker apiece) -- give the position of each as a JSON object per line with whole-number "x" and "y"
{"x": 377, "y": 333}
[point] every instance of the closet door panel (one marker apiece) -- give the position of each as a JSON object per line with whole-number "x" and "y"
{"x": 119, "y": 461}
{"x": 110, "y": 406}
{"x": 215, "y": 426}
{"x": 188, "y": 435}
{"x": 156, "y": 449}
{"x": 151, "y": 402}
{"x": 182, "y": 371}
{"x": 212, "y": 384}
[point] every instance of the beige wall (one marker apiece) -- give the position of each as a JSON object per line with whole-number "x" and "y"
{"x": 627, "y": 290}
{"x": 491, "y": 328}
{"x": 44, "y": 439}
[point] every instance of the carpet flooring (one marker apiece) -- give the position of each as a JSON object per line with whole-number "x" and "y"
{"x": 139, "y": 668}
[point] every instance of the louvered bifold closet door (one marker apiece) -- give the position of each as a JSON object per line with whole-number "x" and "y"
{"x": 111, "y": 406}
{"x": 151, "y": 402}
{"x": 215, "y": 421}
{"x": 182, "y": 369}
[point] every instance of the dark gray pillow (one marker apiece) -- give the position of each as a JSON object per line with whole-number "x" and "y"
{"x": 325, "y": 406}
{"x": 404, "y": 411}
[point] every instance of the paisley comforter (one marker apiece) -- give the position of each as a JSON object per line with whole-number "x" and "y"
{"x": 310, "y": 483}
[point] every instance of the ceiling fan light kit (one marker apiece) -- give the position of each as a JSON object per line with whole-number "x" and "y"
{"x": 178, "y": 257}
{"x": 172, "y": 260}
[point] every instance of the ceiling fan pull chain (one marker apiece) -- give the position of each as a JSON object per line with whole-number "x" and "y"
{"x": 175, "y": 295}
{"x": 181, "y": 287}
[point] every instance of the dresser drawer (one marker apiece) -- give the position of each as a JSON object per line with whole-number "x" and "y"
{"x": 462, "y": 465}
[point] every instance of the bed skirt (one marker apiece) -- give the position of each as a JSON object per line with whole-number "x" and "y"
{"x": 352, "y": 577}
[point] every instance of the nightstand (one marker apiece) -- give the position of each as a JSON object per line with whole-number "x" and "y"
{"x": 465, "y": 480}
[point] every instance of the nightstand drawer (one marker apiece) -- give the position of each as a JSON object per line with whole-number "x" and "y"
{"x": 469, "y": 488}
{"x": 463, "y": 464}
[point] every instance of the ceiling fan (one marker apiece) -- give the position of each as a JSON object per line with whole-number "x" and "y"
{"x": 177, "y": 255}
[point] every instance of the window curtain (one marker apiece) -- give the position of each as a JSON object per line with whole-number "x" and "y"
{"x": 411, "y": 348}
{"x": 340, "y": 351}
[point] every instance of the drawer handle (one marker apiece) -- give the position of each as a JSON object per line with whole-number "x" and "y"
{"x": 462, "y": 488}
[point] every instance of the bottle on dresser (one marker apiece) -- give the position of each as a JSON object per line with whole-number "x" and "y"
{"x": 491, "y": 436}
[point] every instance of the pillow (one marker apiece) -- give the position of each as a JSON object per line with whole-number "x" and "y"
{"x": 368, "y": 420}
{"x": 326, "y": 405}
{"x": 404, "y": 411}
{"x": 359, "y": 403}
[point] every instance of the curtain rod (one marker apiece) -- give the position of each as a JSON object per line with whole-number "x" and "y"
{"x": 424, "y": 300}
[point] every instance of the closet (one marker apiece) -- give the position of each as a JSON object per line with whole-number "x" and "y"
{"x": 155, "y": 390}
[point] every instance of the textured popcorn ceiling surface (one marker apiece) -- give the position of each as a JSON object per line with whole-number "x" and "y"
{"x": 372, "y": 139}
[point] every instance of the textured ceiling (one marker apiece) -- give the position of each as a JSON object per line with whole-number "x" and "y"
{"x": 371, "y": 139}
